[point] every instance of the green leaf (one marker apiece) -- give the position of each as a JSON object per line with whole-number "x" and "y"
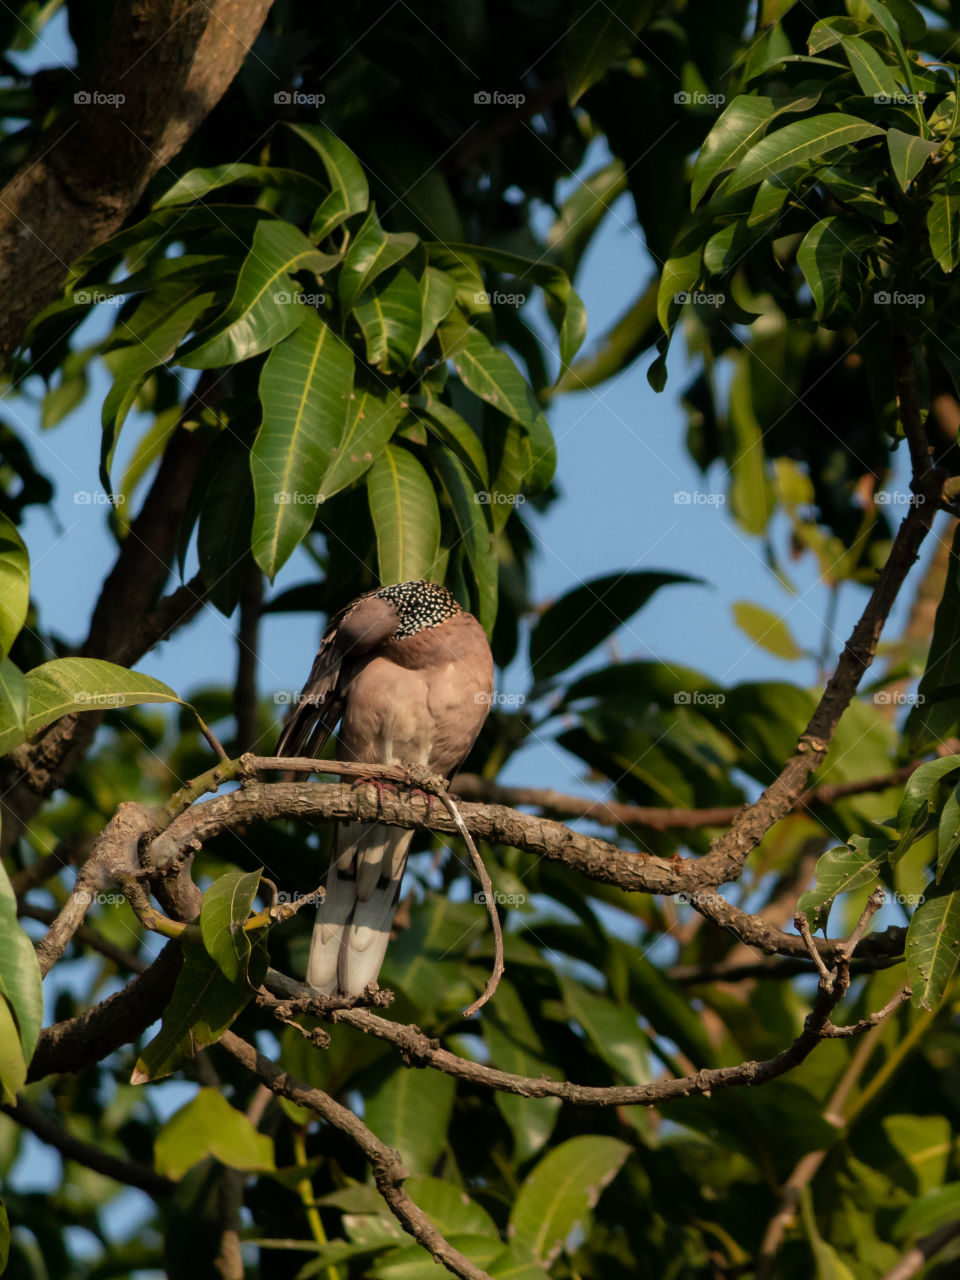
{"x": 458, "y": 436}
{"x": 514, "y": 1045}
{"x": 583, "y": 211}
{"x": 736, "y": 130}
{"x": 874, "y": 76}
{"x": 223, "y": 531}
{"x": 350, "y": 193}
{"x": 391, "y": 321}
{"x": 933, "y": 942}
{"x": 438, "y": 298}
{"x": 766, "y": 630}
{"x": 943, "y": 225}
{"x": 197, "y": 183}
{"x": 450, "y": 1208}
{"x": 840, "y": 870}
{"x": 130, "y": 366}
{"x": 908, "y": 155}
{"x": 919, "y": 804}
{"x": 4, "y": 1237}
{"x": 935, "y": 716}
{"x": 612, "y": 1030}
{"x": 678, "y": 276}
{"x": 557, "y": 1196}
{"x": 472, "y": 515}
{"x": 551, "y": 279}
{"x": 226, "y": 904}
{"x": 20, "y": 978}
{"x": 372, "y": 420}
{"x": 598, "y": 35}
{"x": 948, "y": 832}
{"x": 486, "y": 371}
{"x": 209, "y": 1126}
{"x": 796, "y": 143}
{"x": 372, "y": 252}
{"x": 830, "y": 257}
{"x": 935, "y": 1208}
{"x": 13, "y": 1068}
{"x": 14, "y": 583}
{"x": 305, "y": 392}
{"x": 909, "y": 19}
{"x": 412, "y": 1262}
{"x": 14, "y": 702}
{"x": 406, "y": 518}
{"x": 68, "y": 685}
{"x": 263, "y": 310}
{"x": 830, "y": 31}
{"x": 410, "y": 1111}
{"x": 576, "y": 623}
{"x": 204, "y": 1003}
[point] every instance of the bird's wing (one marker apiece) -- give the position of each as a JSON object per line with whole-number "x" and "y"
{"x": 320, "y": 703}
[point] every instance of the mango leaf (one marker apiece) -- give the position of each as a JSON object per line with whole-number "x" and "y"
{"x": 263, "y": 310}
{"x": 611, "y": 1029}
{"x": 198, "y": 183}
{"x": 410, "y": 1111}
{"x": 934, "y": 1209}
{"x": 933, "y": 941}
{"x": 438, "y": 296}
{"x": 679, "y": 275}
{"x": 948, "y": 832}
{"x": 908, "y": 154}
{"x": 350, "y": 193}
{"x": 451, "y": 1208}
{"x": 209, "y": 1126}
{"x": 226, "y": 904}
{"x": 14, "y": 702}
{"x": 514, "y": 1045}
{"x": 372, "y": 252}
{"x": 459, "y": 437}
{"x": 797, "y": 143}
{"x": 874, "y": 76}
{"x": 576, "y": 623}
{"x": 559, "y": 1193}
{"x": 130, "y": 365}
{"x": 204, "y": 1003}
{"x": 830, "y": 258}
{"x": 830, "y": 31}
{"x": 554, "y": 282}
{"x": 486, "y": 371}
{"x": 919, "y": 804}
{"x": 20, "y": 978}
{"x": 840, "y": 870}
{"x": 223, "y": 530}
{"x": 13, "y": 1068}
{"x": 598, "y": 35}
{"x": 411, "y": 1262}
{"x": 943, "y": 225}
{"x": 304, "y": 389}
{"x": 741, "y": 125}
{"x": 406, "y": 518}
{"x": 476, "y": 530}
{"x": 766, "y": 630}
{"x": 68, "y": 685}
{"x": 372, "y": 418}
{"x": 391, "y": 320}
{"x": 14, "y": 583}
{"x": 909, "y": 19}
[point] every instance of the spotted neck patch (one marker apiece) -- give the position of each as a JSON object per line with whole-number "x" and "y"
{"x": 419, "y": 605}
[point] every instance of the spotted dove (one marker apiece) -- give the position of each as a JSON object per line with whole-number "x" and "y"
{"x": 411, "y": 676}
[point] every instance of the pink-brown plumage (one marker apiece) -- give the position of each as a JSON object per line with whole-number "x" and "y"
{"x": 411, "y": 675}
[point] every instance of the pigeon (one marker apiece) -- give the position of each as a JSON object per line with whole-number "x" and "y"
{"x": 410, "y": 676}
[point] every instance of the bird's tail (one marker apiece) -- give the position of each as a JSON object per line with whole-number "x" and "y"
{"x": 352, "y": 929}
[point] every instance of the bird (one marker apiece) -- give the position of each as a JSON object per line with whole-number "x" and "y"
{"x": 409, "y": 675}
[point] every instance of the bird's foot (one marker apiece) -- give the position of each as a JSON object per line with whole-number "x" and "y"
{"x": 427, "y": 795}
{"x": 380, "y": 785}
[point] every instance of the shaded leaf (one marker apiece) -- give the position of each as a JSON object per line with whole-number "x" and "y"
{"x": 209, "y": 1126}
{"x": 840, "y": 870}
{"x": 830, "y": 258}
{"x": 766, "y": 630}
{"x": 796, "y": 143}
{"x": 908, "y": 154}
{"x": 20, "y": 979}
{"x": 226, "y": 904}
{"x": 410, "y": 1111}
{"x": 371, "y": 253}
{"x": 406, "y": 518}
{"x": 372, "y": 419}
{"x": 349, "y": 194}
{"x": 933, "y": 942}
{"x": 14, "y": 583}
{"x": 391, "y": 320}
{"x": 598, "y": 35}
